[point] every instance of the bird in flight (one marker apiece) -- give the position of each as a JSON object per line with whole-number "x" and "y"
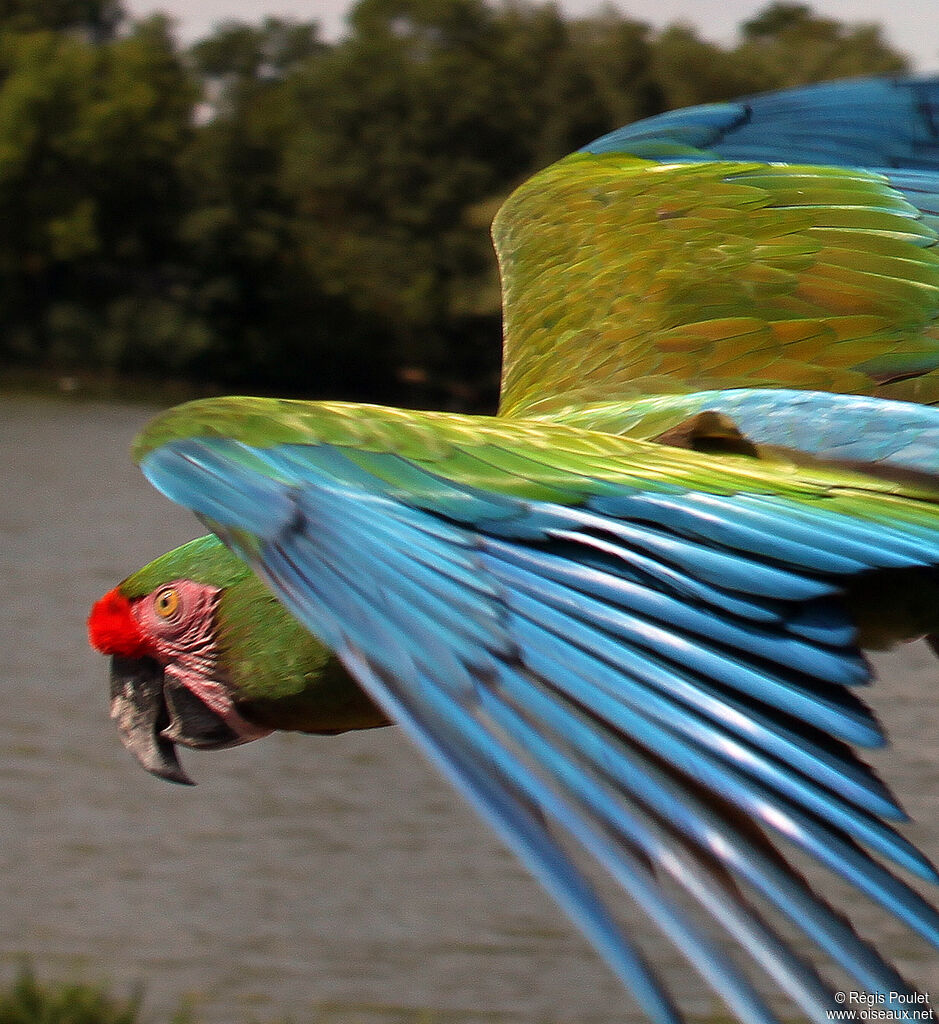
{"x": 628, "y": 612}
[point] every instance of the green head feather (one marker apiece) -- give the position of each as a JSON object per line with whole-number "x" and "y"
{"x": 281, "y": 675}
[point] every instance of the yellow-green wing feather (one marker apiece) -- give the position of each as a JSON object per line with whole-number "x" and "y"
{"x": 533, "y": 460}
{"x": 625, "y": 277}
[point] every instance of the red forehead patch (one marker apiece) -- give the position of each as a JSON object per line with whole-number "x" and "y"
{"x": 112, "y": 628}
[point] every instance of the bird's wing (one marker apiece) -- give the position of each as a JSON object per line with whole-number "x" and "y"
{"x": 678, "y": 256}
{"x": 638, "y": 648}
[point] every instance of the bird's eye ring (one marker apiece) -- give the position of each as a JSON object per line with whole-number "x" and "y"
{"x": 166, "y": 602}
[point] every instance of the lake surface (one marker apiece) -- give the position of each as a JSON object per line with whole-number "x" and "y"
{"x": 328, "y": 879}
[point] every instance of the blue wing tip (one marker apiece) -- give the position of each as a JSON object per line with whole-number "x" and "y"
{"x": 890, "y": 121}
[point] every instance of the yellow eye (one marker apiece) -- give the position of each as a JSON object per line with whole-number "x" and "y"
{"x": 166, "y": 602}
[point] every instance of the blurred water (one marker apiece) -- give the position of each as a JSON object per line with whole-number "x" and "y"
{"x": 330, "y": 879}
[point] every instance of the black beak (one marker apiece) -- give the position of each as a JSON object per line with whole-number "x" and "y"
{"x": 154, "y": 713}
{"x": 138, "y": 707}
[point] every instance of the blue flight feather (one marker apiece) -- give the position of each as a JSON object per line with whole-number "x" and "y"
{"x": 894, "y": 434}
{"x": 872, "y": 123}
{"x": 455, "y": 605}
{"x": 628, "y": 769}
{"x": 525, "y": 833}
{"x": 852, "y": 429}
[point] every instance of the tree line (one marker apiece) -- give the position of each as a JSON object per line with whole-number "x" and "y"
{"x": 267, "y": 211}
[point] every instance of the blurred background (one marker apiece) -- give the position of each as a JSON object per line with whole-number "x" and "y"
{"x": 270, "y": 208}
{"x": 300, "y": 205}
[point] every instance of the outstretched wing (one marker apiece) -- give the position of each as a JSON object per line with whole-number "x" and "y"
{"x": 638, "y": 648}
{"x": 678, "y": 255}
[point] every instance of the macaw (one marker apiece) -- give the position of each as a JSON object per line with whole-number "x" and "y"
{"x": 628, "y": 610}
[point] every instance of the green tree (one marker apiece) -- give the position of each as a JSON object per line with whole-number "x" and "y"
{"x": 266, "y": 202}
{"x": 790, "y": 45}
{"x": 352, "y": 184}
{"x": 397, "y": 133}
{"x": 690, "y": 70}
{"x": 406, "y": 135}
{"x": 89, "y": 139}
{"x": 241, "y": 51}
{"x": 98, "y": 19}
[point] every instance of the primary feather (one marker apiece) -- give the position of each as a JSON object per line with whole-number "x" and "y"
{"x": 629, "y": 609}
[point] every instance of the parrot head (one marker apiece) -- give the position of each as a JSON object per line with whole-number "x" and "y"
{"x": 203, "y": 655}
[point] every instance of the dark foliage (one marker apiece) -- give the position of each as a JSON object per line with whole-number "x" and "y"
{"x": 26, "y": 1000}
{"x": 269, "y": 212}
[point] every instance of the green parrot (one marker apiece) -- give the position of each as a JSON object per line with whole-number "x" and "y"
{"x": 628, "y": 610}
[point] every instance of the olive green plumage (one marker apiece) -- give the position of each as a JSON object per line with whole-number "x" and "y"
{"x": 623, "y": 278}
